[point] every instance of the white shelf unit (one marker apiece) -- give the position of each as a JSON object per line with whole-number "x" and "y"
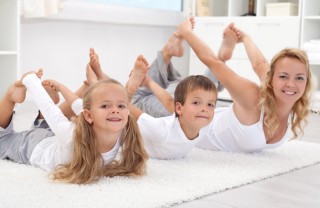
{"x": 287, "y": 31}
{"x": 9, "y": 43}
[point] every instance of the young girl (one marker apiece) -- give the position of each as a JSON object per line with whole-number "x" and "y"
{"x": 86, "y": 149}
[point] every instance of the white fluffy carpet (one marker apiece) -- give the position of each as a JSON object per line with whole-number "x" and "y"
{"x": 167, "y": 182}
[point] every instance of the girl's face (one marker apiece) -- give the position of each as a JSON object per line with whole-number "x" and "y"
{"x": 109, "y": 108}
{"x": 198, "y": 109}
{"x": 289, "y": 80}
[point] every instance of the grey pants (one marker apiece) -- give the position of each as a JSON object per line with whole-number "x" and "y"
{"x": 162, "y": 74}
{"x": 167, "y": 77}
{"x": 18, "y": 146}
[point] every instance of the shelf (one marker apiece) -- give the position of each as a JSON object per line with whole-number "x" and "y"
{"x": 9, "y": 22}
{"x": 8, "y": 52}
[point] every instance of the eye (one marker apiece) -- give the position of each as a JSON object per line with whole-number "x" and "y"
{"x": 121, "y": 106}
{"x": 195, "y": 102}
{"x": 212, "y": 105}
{"x": 300, "y": 78}
{"x": 282, "y": 77}
{"x": 105, "y": 106}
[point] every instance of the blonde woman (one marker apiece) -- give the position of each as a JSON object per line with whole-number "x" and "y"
{"x": 259, "y": 115}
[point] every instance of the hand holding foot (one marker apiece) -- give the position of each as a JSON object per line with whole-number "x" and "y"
{"x": 39, "y": 74}
{"x": 185, "y": 27}
{"x": 52, "y": 87}
{"x": 137, "y": 75}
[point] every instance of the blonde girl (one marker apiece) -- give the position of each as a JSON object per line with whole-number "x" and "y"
{"x": 102, "y": 140}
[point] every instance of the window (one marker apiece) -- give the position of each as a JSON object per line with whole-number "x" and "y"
{"x": 169, "y": 5}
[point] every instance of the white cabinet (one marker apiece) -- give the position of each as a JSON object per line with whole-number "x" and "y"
{"x": 310, "y": 34}
{"x": 270, "y": 33}
{"x": 9, "y": 43}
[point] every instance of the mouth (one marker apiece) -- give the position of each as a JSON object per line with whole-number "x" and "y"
{"x": 114, "y": 119}
{"x": 203, "y": 117}
{"x": 290, "y": 93}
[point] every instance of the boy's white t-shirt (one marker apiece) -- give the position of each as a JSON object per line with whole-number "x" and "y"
{"x": 163, "y": 137}
{"x": 56, "y": 150}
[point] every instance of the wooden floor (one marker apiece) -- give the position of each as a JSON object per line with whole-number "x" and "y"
{"x": 300, "y": 188}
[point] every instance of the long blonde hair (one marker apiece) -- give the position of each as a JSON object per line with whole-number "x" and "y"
{"x": 267, "y": 99}
{"x": 86, "y": 164}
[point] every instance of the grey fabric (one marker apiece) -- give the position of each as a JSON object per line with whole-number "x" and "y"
{"x": 18, "y": 146}
{"x": 209, "y": 74}
{"x": 164, "y": 75}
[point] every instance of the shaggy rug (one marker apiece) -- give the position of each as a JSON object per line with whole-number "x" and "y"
{"x": 168, "y": 182}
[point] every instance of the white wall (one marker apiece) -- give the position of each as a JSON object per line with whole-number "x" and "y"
{"x": 61, "y": 47}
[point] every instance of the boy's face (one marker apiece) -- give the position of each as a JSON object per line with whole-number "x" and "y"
{"x": 198, "y": 109}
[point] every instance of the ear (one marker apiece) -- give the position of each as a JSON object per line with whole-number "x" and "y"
{"x": 87, "y": 116}
{"x": 178, "y": 108}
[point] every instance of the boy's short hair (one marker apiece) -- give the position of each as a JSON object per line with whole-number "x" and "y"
{"x": 191, "y": 83}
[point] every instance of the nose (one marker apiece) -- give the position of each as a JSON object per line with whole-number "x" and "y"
{"x": 205, "y": 108}
{"x": 115, "y": 109}
{"x": 290, "y": 83}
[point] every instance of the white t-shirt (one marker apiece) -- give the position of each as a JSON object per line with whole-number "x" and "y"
{"x": 57, "y": 149}
{"x": 163, "y": 137}
{"x": 226, "y": 133}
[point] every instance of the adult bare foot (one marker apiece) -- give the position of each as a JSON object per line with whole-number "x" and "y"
{"x": 173, "y": 47}
{"x": 230, "y": 39}
{"x": 95, "y": 65}
{"x": 16, "y": 93}
{"x": 137, "y": 75}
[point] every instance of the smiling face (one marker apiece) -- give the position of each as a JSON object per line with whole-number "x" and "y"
{"x": 289, "y": 80}
{"x": 109, "y": 108}
{"x": 197, "y": 110}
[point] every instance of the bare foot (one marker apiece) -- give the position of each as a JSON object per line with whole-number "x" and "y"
{"x": 137, "y": 75}
{"x": 50, "y": 87}
{"x": 91, "y": 76}
{"x": 95, "y": 65}
{"x": 16, "y": 93}
{"x": 173, "y": 47}
{"x": 230, "y": 39}
{"x": 39, "y": 74}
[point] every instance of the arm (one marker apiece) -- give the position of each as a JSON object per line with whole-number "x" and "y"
{"x": 258, "y": 61}
{"x": 71, "y": 99}
{"x": 244, "y": 93}
{"x": 59, "y": 124}
{"x": 163, "y": 96}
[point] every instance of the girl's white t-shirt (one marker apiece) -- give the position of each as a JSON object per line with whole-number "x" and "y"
{"x": 56, "y": 150}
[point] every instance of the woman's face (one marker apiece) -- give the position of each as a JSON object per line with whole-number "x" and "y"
{"x": 289, "y": 80}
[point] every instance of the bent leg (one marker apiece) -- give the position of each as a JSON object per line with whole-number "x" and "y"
{"x": 164, "y": 75}
{"x": 18, "y": 146}
{"x": 15, "y": 94}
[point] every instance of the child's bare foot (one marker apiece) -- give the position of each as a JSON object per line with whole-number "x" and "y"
{"x": 95, "y": 65}
{"x": 91, "y": 76}
{"x": 51, "y": 87}
{"x": 137, "y": 75}
{"x": 230, "y": 39}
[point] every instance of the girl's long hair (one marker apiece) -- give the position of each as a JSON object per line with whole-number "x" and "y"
{"x": 86, "y": 164}
{"x": 267, "y": 98}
